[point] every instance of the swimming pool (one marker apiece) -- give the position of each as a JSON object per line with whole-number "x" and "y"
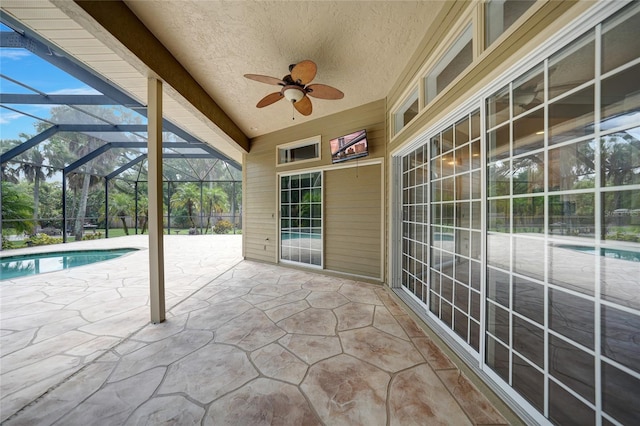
{"x": 285, "y": 235}
{"x": 607, "y": 252}
{"x": 32, "y": 264}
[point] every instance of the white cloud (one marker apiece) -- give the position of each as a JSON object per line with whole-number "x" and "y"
{"x": 8, "y": 117}
{"x": 14, "y": 54}
{"x": 78, "y": 91}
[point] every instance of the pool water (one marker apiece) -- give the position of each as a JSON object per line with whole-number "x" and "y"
{"x": 32, "y": 264}
{"x": 608, "y": 252}
{"x": 284, "y": 235}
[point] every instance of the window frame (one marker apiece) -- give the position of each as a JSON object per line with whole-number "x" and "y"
{"x": 444, "y": 60}
{"x": 470, "y": 17}
{"x": 398, "y": 113}
{"x": 300, "y": 173}
{"x": 590, "y": 17}
{"x": 517, "y": 23}
{"x": 288, "y": 147}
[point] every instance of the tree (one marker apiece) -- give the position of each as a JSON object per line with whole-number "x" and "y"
{"x": 188, "y": 196}
{"x": 143, "y": 213}
{"x": 50, "y": 205}
{"x": 34, "y": 170}
{"x": 215, "y": 201}
{"x": 17, "y": 207}
{"x": 31, "y": 164}
{"x": 120, "y": 206}
{"x": 64, "y": 148}
{"x": 9, "y": 174}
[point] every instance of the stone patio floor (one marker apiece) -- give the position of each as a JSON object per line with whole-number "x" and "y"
{"x": 244, "y": 343}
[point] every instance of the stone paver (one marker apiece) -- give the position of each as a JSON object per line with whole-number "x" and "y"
{"x": 345, "y": 390}
{"x": 418, "y": 398}
{"x": 244, "y": 343}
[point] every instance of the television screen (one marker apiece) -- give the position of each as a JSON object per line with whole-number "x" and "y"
{"x": 348, "y": 147}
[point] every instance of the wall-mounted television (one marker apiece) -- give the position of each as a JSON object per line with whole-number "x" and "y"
{"x": 348, "y": 147}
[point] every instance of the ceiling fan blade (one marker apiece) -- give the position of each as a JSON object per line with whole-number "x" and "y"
{"x": 304, "y": 106}
{"x": 322, "y": 91}
{"x": 265, "y": 79}
{"x": 304, "y": 72}
{"x": 269, "y": 99}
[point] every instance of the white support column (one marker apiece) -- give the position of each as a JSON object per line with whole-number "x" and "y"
{"x": 156, "y": 246}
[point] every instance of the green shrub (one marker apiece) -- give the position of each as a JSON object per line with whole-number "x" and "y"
{"x": 42, "y": 240}
{"x": 223, "y": 227}
{"x": 50, "y": 231}
{"x": 93, "y": 236}
{"x": 6, "y": 244}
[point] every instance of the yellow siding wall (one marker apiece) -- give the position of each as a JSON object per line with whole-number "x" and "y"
{"x": 260, "y": 178}
{"x": 539, "y": 23}
{"x": 352, "y": 217}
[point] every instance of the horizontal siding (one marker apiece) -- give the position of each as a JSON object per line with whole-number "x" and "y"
{"x": 547, "y": 19}
{"x": 352, "y": 220}
{"x": 450, "y": 12}
{"x": 260, "y": 190}
{"x": 259, "y": 208}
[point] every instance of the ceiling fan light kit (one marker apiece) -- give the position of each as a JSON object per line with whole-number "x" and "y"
{"x": 295, "y": 89}
{"x": 293, "y": 93}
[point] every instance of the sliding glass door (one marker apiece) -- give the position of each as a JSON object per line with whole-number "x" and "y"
{"x": 301, "y": 218}
{"x": 530, "y": 258}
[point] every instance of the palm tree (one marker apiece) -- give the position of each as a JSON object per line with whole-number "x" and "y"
{"x": 187, "y": 196}
{"x": 17, "y": 207}
{"x": 9, "y": 174}
{"x": 120, "y": 206}
{"x": 31, "y": 164}
{"x": 33, "y": 169}
{"x": 215, "y": 201}
{"x": 64, "y": 148}
{"x": 143, "y": 212}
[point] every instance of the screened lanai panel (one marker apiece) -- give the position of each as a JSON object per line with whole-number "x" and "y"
{"x": 178, "y": 169}
{"x": 25, "y": 119}
{"x": 36, "y": 74}
{"x": 37, "y": 95}
{"x": 79, "y": 113}
{"x": 221, "y": 170}
{"x": 112, "y": 136}
{"x": 106, "y": 162}
{"x": 12, "y": 86}
{"x": 183, "y": 151}
{"x": 190, "y": 169}
{"x": 136, "y": 173}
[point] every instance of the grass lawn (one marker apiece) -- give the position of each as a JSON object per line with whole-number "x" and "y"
{"x": 113, "y": 232}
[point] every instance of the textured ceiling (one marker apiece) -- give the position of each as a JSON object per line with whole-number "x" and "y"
{"x": 360, "y": 47}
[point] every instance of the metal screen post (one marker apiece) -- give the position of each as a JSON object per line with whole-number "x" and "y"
{"x": 106, "y": 207}
{"x": 64, "y": 206}
{"x": 135, "y": 220}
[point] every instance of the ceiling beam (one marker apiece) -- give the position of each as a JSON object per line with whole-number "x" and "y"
{"x": 116, "y": 18}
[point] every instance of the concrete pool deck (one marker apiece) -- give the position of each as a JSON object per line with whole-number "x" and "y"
{"x": 244, "y": 343}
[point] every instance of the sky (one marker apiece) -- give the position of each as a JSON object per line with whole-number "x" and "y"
{"x": 24, "y": 66}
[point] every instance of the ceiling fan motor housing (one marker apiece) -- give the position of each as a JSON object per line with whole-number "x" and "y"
{"x": 296, "y": 87}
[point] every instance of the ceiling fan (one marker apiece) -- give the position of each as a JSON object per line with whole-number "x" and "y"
{"x": 296, "y": 88}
